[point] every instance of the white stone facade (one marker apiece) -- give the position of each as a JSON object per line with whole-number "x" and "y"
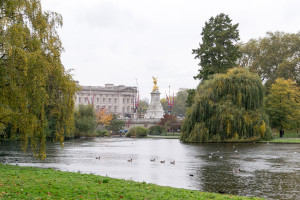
{"x": 155, "y": 110}
{"x": 115, "y": 99}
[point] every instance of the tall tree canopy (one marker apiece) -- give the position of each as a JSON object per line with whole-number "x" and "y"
{"x": 277, "y": 55}
{"x": 228, "y": 107}
{"x": 283, "y": 104}
{"x": 34, "y": 86}
{"x": 218, "y": 51}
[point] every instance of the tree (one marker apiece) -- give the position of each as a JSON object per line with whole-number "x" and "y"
{"x": 143, "y": 106}
{"x": 190, "y": 98}
{"x": 103, "y": 117}
{"x": 283, "y": 104}
{"x": 228, "y": 107}
{"x": 179, "y": 107}
{"x": 217, "y": 52}
{"x": 164, "y": 104}
{"x": 277, "y": 55}
{"x": 85, "y": 120}
{"x": 36, "y": 93}
{"x": 116, "y": 124}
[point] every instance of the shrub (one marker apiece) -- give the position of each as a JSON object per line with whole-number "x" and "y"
{"x": 102, "y": 133}
{"x": 138, "y": 131}
{"x": 157, "y": 130}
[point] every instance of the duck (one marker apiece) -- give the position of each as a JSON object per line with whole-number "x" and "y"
{"x": 98, "y": 157}
{"x": 191, "y": 174}
{"x": 152, "y": 160}
{"x": 130, "y": 160}
{"x": 163, "y": 161}
{"x": 173, "y": 162}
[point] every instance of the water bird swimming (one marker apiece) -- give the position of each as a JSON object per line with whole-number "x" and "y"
{"x": 98, "y": 157}
{"x": 173, "y": 162}
{"x": 130, "y": 160}
{"x": 191, "y": 174}
{"x": 152, "y": 160}
{"x": 163, "y": 161}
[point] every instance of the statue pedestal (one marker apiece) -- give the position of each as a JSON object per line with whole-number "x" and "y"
{"x": 155, "y": 110}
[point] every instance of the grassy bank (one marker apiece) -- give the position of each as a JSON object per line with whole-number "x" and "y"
{"x": 34, "y": 183}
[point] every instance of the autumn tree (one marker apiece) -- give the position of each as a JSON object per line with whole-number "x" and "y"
{"x": 228, "y": 107}
{"x": 277, "y": 55}
{"x": 283, "y": 105}
{"x": 103, "y": 117}
{"x": 218, "y": 51}
{"x": 35, "y": 89}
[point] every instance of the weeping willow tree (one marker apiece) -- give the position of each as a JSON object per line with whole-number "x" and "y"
{"x": 228, "y": 107}
{"x": 36, "y": 93}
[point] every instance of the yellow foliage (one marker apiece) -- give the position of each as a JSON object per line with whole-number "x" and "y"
{"x": 104, "y": 118}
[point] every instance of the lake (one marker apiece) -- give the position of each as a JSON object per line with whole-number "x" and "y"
{"x": 257, "y": 169}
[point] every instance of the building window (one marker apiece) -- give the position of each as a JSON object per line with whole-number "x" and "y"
{"x": 98, "y": 100}
{"x": 79, "y": 99}
{"x": 109, "y": 100}
{"x": 109, "y": 108}
{"x": 115, "y": 101}
{"x": 127, "y": 109}
{"x": 115, "y": 109}
{"x": 127, "y": 100}
{"x": 123, "y": 100}
{"x": 85, "y": 99}
{"x": 103, "y": 100}
{"x": 123, "y": 110}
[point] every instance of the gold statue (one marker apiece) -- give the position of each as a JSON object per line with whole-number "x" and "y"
{"x": 155, "y": 87}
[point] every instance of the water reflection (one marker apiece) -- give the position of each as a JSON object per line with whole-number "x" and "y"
{"x": 265, "y": 170}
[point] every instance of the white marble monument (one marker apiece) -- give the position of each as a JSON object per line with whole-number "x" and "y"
{"x": 155, "y": 110}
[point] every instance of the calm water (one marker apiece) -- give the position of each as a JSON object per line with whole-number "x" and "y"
{"x": 264, "y": 170}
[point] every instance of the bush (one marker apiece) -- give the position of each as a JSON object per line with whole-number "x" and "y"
{"x": 138, "y": 131}
{"x": 157, "y": 130}
{"x": 102, "y": 133}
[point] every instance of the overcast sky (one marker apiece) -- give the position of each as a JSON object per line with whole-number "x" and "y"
{"x": 121, "y": 41}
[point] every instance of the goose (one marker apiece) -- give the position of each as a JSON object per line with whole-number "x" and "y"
{"x": 130, "y": 160}
{"x": 152, "y": 160}
{"x": 163, "y": 161}
{"x": 173, "y": 162}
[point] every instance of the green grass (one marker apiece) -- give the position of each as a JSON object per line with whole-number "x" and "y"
{"x": 35, "y": 183}
{"x": 163, "y": 136}
{"x": 284, "y": 140}
{"x": 287, "y": 133}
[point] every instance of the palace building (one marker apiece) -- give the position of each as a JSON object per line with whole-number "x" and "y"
{"x": 115, "y": 99}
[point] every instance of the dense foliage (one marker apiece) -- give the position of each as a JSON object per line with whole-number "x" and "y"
{"x": 228, "y": 107}
{"x": 157, "y": 130}
{"x": 138, "y": 131}
{"x": 277, "y": 55}
{"x": 283, "y": 104}
{"x": 36, "y": 93}
{"x": 116, "y": 124}
{"x": 85, "y": 120}
{"x": 217, "y": 52}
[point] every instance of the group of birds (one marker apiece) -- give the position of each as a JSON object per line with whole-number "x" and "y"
{"x": 163, "y": 161}
{"x": 152, "y": 160}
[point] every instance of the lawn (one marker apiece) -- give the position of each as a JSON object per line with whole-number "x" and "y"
{"x": 35, "y": 183}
